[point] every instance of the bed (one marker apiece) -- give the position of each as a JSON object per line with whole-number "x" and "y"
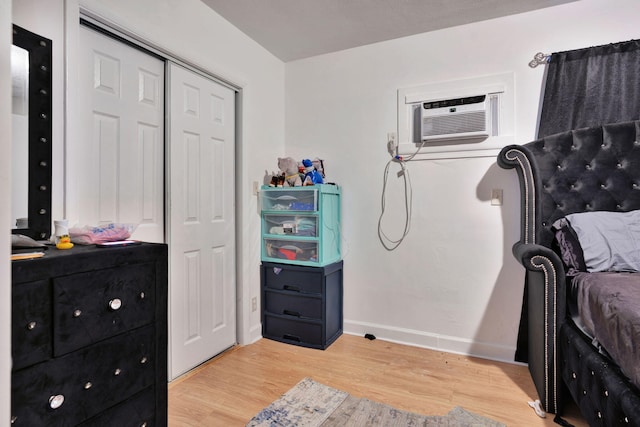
{"x": 580, "y": 188}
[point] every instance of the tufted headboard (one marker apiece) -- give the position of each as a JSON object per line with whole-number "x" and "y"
{"x": 591, "y": 169}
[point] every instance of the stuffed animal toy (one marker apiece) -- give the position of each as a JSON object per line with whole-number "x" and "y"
{"x": 289, "y": 166}
{"x": 311, "y": 175}
{"x": 277, "y": 180}
{"x": 269, "y": 179}
{"x": 318, "y": 165}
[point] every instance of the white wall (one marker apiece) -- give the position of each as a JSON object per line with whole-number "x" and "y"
{"x": 453, "y": 284}
{"x": 5, "y": 209}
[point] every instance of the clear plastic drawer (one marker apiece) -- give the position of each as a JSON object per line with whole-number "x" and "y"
{"x": 284, "y": 250}
{"x": 292, "y": 225}
{"x": 295, "y": 199}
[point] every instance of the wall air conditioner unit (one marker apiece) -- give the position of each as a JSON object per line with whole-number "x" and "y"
{"x": 458, "y": 119}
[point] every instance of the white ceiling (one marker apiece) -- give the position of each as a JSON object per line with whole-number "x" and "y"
{"x": 295, "y": 29}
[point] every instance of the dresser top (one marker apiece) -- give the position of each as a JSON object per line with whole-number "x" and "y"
{"x": 81, "y": 258}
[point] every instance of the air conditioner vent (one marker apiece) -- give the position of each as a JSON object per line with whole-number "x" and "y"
{"x": 454, "y": 124}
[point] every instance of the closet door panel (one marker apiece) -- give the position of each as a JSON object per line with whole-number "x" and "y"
{"x": 202, "y": 219}
{"x": 122, "y": 160}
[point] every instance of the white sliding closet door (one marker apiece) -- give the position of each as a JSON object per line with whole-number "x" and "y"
{"x": 122, "y": 129}
{"x": 201, "y": 219}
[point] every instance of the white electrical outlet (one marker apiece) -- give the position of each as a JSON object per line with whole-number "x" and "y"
{"x": 496, "y": 197}
{"x": 392, "y": 142}
{"x": 256, "y": 187}
{"x": 254, "y": 304}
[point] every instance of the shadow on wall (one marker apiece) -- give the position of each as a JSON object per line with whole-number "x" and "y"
{"x": 510, "y": 280}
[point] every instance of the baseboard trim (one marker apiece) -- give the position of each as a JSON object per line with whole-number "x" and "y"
{"x": 255, "y": 333}
{"x": 437, "y": 342}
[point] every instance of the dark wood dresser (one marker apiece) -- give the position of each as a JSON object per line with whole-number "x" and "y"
{"x": 89, "y": 337}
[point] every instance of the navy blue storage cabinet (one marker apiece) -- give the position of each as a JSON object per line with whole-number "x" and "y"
{"x": 302, "y": 305}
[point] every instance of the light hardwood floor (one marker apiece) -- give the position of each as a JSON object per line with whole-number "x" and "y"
{"x": 232, "y": 388}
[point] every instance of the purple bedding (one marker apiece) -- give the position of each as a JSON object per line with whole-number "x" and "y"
{"x": 609, "y": 310}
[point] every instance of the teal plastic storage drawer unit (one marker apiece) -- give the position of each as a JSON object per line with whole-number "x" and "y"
{"x": 301, "y": 225}
{"x": 302, "y": 305}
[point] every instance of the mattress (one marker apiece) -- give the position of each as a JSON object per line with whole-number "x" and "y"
{"x": 608, "y": 310}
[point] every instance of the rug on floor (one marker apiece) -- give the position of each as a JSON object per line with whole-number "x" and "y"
{"x": 311, "y": 404}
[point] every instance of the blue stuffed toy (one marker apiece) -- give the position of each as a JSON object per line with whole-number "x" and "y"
{"x": 311, "y": 175}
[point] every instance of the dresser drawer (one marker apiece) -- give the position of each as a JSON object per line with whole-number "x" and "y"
{"x": 138, "y": 410}
{"x": 85, "y": 382}
{"x": 303, "y": 280}
{"x": 302, "y": 332}
{"x": 31, "y": 323}
{"x": 293, "y": 304}
{"x": 90, "y": 307}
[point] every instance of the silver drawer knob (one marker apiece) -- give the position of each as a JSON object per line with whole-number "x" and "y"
{"x": 143, "y": 360}
{"x": 142, "y": 295}
{"x": 117, "y": 372}
{"x": 115, "y": 304}
{"x": 31, "y": 326}
{"x": 56, "y": 401}
{"x": 88, "y": 385}
{"x": 77, "y": 313}
{"x": 14, "y": 419}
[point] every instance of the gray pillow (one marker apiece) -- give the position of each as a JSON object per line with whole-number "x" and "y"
{"x": 610, "y": 240}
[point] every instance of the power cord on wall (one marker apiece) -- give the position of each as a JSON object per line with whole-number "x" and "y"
{"x": 389, "y": 243}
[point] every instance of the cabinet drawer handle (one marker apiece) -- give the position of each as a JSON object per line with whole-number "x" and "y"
{"x": 291, "y": 313}
{"x": 31, "y": 325}
{"x": 291, "y": 288}
{"x": 115, "y": 304}
{"x": 56, "y": 401}
{"x": 291, "y": 337}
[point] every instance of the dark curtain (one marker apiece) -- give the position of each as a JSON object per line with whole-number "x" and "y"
{"x": 584, "y": 88}
{"x": 592, "y": 86}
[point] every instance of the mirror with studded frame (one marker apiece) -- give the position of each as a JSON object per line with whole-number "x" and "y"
{"x": 31, "y": 58}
